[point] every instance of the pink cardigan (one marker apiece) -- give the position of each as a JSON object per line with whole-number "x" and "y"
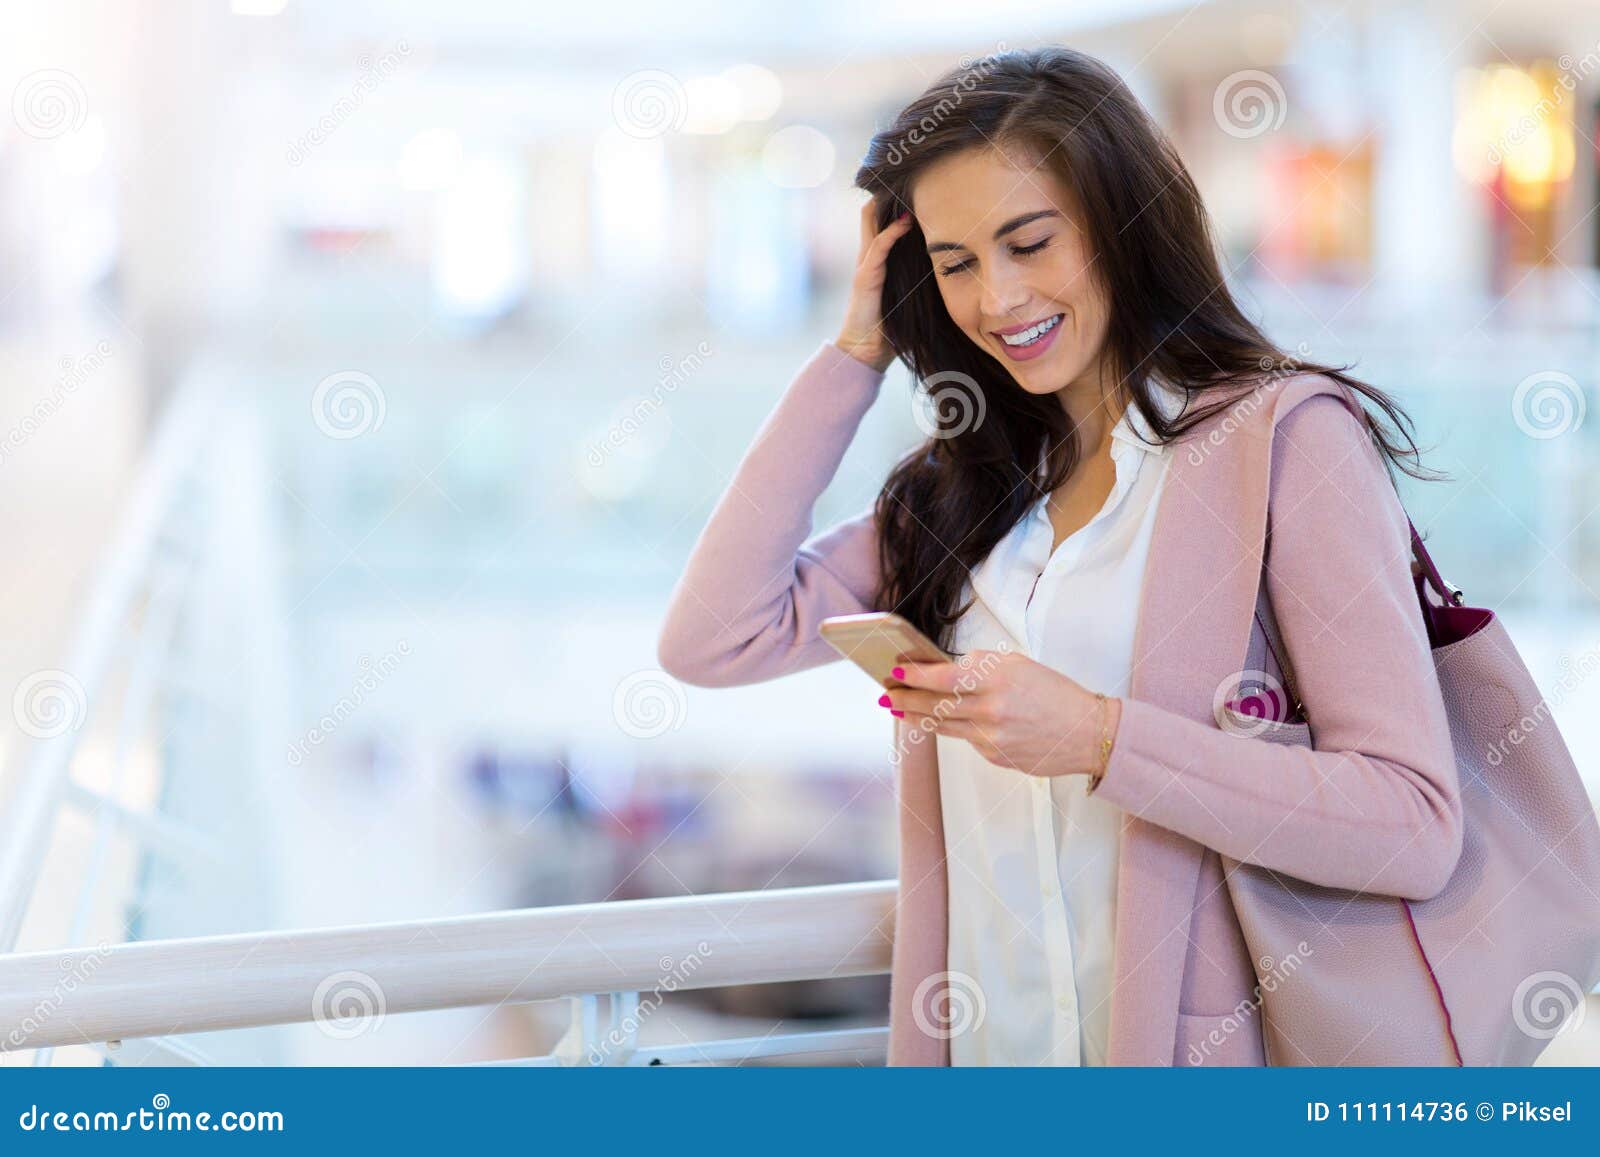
{"x": 1374, "y": 807}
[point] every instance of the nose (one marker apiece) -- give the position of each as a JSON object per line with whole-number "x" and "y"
{"x": 1004, "y": 296}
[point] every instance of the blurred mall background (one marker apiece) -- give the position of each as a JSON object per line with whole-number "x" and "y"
{"x": 446, "y": 323}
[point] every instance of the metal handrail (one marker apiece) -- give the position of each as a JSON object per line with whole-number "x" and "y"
{"x": 28, "y": 819}
{"x": 170, "y": 987}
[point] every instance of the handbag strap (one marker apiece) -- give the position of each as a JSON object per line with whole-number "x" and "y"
{"x": 1268, "y": 623}
{"x": 1430, "y": 570}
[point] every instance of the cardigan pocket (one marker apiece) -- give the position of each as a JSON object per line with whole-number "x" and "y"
{"x": 1232, "y": 1039}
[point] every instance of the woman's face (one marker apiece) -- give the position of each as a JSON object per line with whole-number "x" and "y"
{"x": 1011, "y": 261}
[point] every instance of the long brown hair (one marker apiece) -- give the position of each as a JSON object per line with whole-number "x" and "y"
{"x": 949, "y": 501}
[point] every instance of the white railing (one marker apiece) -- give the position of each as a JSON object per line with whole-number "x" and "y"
{"x": 129, "y": 997}
{"x": 144, "y": 567}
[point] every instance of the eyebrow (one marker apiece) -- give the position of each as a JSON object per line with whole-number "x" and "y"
{"x": 1009, "y": 226}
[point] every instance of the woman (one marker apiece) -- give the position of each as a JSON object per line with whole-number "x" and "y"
{"x": 1085, "y": 532}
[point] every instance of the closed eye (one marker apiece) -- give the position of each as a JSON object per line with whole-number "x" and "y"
{"x": 1016, "y": 251}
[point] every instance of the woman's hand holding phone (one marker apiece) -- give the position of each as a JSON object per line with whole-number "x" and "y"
{"x": 861, "y": 335}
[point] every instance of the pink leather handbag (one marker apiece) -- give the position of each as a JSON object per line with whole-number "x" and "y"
{"x": 1487, "y": 971}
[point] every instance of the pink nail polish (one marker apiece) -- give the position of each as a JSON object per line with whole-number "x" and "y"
{"x": 898, "y": 673}
{"x": 896, "y": 714}
{"x": 883, "y": 701}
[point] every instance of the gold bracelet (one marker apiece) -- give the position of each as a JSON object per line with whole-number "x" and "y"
{"x": 1099, "y": 772}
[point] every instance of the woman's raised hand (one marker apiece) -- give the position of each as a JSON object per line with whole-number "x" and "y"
{"x": 861, "y": 335}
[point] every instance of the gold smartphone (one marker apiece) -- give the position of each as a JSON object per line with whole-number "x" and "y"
{"x": 878, "y": 641}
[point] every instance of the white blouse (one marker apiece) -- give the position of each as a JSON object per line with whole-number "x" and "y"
{"x": 1032, "y": 861}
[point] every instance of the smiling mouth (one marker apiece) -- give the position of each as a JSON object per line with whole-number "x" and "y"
{"x": 1033, "y": 334}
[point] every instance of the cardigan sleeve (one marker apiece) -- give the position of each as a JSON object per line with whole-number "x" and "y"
{"x": 1375, "y": 805}
{"x": 748, "y": 603}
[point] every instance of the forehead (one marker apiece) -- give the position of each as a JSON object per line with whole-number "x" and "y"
{"x": 964, "y": 197}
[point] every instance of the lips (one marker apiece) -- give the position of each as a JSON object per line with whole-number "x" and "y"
{"x": 1025, "y": 325}
{"x": 1039, "y": 344}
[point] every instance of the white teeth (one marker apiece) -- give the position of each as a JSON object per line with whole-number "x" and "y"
{"x": 1029, "y": 336}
